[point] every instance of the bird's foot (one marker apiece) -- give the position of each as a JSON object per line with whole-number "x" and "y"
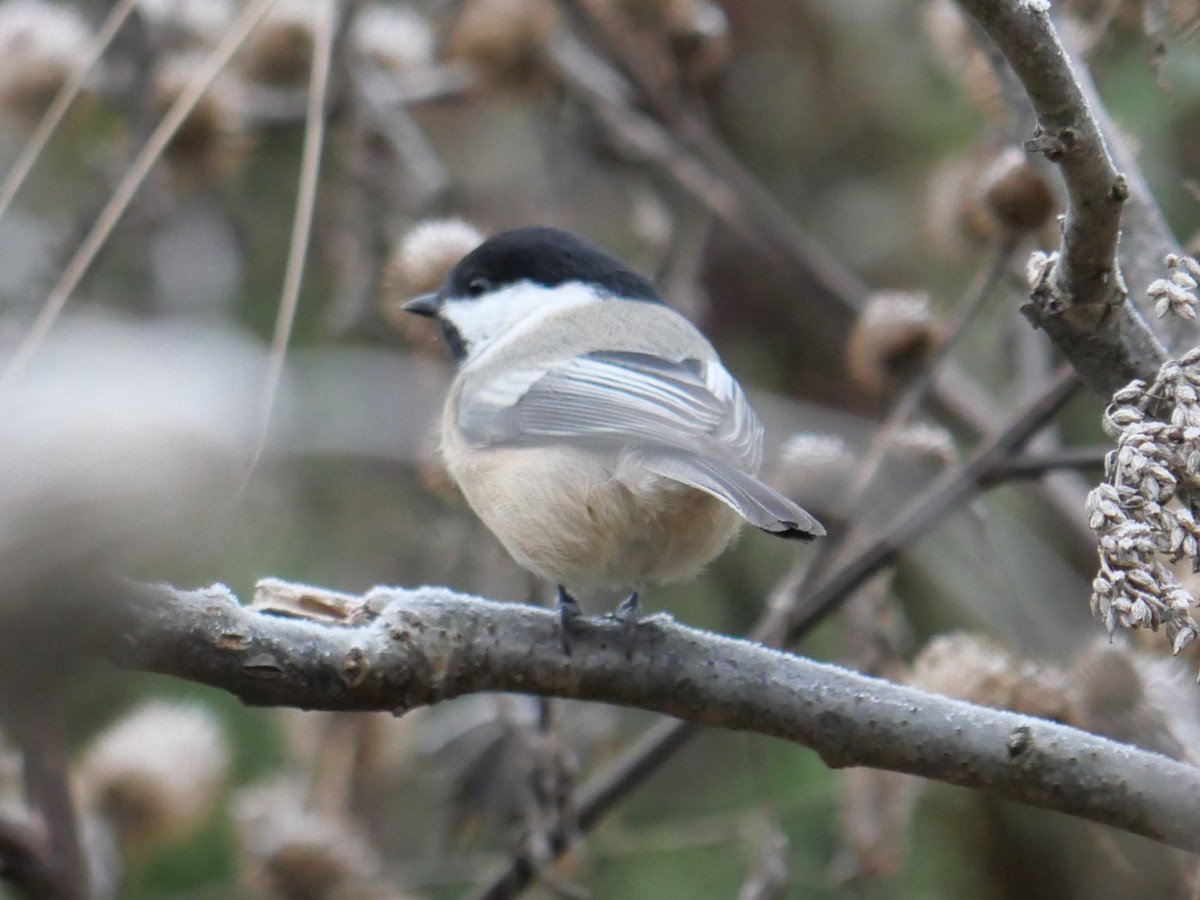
{"x": 629, "y": 610}
{"x": 569, "y": 617}
{"x": 629, "y": 614}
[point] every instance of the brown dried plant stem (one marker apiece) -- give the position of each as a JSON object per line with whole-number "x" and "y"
{"x": 324, "y": 29}
{"x": 1035, "y": 465}
{"x": 45, "y": 766}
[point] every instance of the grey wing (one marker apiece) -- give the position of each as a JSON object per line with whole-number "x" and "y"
{"x": 617, "y": 397}
{"x": 687, "y": 420}
{"x": 759, "y": 504}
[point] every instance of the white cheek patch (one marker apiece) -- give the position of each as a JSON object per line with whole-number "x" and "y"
{"x": 498, "y": 318}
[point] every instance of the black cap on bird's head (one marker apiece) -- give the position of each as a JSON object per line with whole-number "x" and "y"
{"x": 547, "y": 257}
{"x": 544, "y": 256}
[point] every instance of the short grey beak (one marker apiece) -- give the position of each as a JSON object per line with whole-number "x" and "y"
{"x": 427, "y": 305}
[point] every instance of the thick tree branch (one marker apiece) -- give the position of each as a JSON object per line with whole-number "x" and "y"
{"x": 408, "y": 648}
{"x": 1078, "y": 296}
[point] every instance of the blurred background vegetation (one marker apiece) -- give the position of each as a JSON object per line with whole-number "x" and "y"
{"x": 877, "y": 130}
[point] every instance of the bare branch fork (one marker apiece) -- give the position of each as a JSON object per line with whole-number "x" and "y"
{"x": 409, "y": 648}
{"x": 1078, "y": 295}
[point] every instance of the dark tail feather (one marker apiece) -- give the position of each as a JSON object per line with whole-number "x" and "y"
{"x": 760, "y": 505}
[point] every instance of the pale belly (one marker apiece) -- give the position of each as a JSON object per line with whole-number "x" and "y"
{"x": 584, "y": 522}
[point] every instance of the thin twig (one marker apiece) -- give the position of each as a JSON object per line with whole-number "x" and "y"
{"x": 324, "y": 27}
{"x": 1035, "y": 465}
{"x": 46, "y": 773}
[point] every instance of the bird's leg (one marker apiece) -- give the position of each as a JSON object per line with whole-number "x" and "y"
{"x": 628, "y": 612}
{"x": 569, "y": 615}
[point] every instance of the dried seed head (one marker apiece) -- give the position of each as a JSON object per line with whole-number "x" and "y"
{"x": 816, "y": 469}
{"x": 977, "y": 198}
{"x": 1176, "y": 294}
{"x": 424, "y": 256}
{"x": 154, "y": 774}
{"x": 291, "y": 851}
{"x": 700, "y": 42}
{"x": 891, "y": 342}
{"x": 280, "y": 50}
{"x": 211, "y": 140}
{"x": 419, "y": 263}
{"x": 39, "y": 44}
{"x": 503, "y": 39}
{"x": 1015, "y": 193}
{"x": 972, "y": 667}
{"x": 956, "y": 220}
{"x": 1138, "y": 698}
{"x": 924, "y": 444}
{"x": 395, "y": 38}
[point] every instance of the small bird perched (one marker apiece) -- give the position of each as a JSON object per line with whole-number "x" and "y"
{"x": 592, "y": 428}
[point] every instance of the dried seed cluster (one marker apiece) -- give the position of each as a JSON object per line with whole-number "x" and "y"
{"x": 1146, "y": 511}
{"x": 1176, "y": 294}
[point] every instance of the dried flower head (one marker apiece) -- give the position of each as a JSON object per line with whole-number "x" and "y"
{"x": 39, "y": 44}
{"x": 424, "y": 256}
{"x": 814, "y": 468}
{"x": 503, "y": 39}
{"x": 1137, "y": 698}
{"x": 924, "y": 444}
{"x": 392, "y": 37}
{"x": 1145, "y": 512}
{"x": 892, "y": 341}
{"x": 701, "y": 44}
{"x": 975, "y": 668}
{"x": 977, "y": 198}
{"x": 956, "y": 219}
{"x": 292, "y": 851}
{"x": 280, "y": 50}
{"x": 154, "y": 774}
{"x": 419, "y": 263}
{"x": 212, "y": 138}
{"x": 1176, "y": 294}
{"x": 1015, "y": 193}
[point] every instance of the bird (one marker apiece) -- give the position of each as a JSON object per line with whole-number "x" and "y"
{"x": 592, "y": 428}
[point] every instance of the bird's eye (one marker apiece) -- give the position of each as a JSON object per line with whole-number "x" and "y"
{"x": 477, "y": 287}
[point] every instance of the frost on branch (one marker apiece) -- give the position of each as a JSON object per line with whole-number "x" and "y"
{"x": 1146, "y": 511}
